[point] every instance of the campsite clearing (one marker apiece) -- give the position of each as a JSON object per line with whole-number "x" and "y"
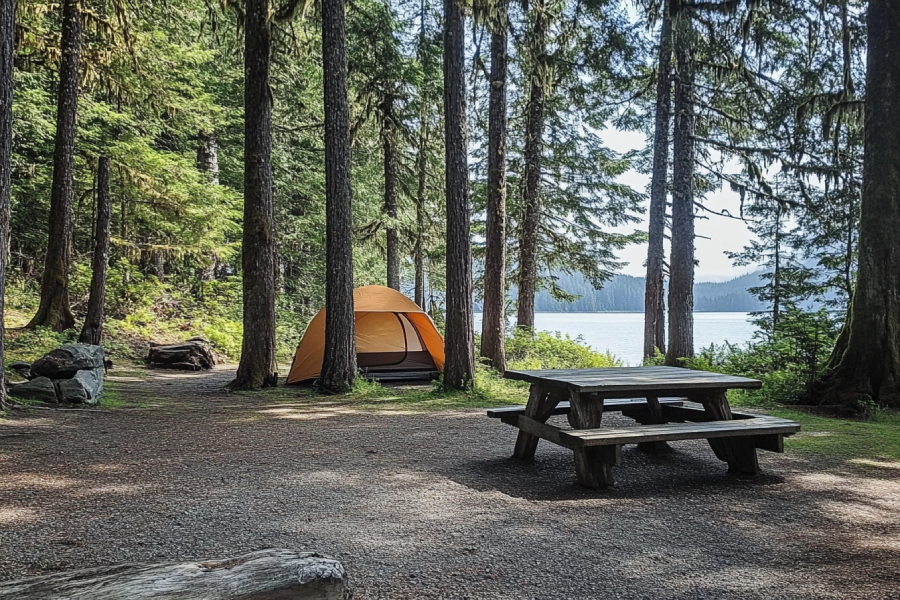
{"x": 426, "y": 504}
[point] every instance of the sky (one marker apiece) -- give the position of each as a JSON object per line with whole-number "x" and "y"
{"x": 724, "y": 234}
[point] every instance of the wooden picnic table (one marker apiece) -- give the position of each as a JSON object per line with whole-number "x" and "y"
{"x": 636, "y": 391}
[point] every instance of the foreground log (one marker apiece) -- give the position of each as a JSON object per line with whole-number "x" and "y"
{"x": 275, "y": 574}
{"x": 195, "y": 354}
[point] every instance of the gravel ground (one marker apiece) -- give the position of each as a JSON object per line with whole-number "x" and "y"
{"x": 429, "y": 505}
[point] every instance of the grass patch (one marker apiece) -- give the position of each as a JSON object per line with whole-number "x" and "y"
{"x": 878, "y": 438}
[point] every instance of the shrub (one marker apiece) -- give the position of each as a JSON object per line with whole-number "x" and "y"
{"x": 543, "y": 350}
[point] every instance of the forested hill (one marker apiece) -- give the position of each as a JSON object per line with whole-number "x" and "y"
{"x": 626, "y": 294}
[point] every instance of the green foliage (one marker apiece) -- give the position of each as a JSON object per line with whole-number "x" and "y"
{"x": 543, "y": 350}
{"x": 789, "y": 362}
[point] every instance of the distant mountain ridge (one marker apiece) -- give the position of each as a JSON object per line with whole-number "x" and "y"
{"x": 624, "y": 293}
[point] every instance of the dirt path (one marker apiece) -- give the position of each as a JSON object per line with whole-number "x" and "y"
{"x": 428, "y": 505}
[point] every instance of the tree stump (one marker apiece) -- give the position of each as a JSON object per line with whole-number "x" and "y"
{"x": 275, "y": 574}
{"x": 196, "y": 354}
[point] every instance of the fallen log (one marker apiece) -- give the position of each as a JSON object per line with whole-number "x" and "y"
{"x": 275, "y": 574}
{"x": 193, "y": 355}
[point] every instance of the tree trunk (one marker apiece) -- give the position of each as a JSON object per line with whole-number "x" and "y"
{"x": 534, "y": 129}
{"x": 92, "y": 332}
{"x": 7, "y": 51}
{"x": 54, "y": 310}
{"x": 208, "y": 164}
{"x": 262, "y": 575}
{"x": 493, "y": 345}
{"x": 866, "y": 360}
{"x": 339, "y": 364}
{"x": 421, "y": 167}
{"x": 681, "y": 263}
{"x": 459, "y": 341}
{"x": 654, "y": 296}
{"x": 388, "y": 140}
{"x": 258, "y": 367}
{"x": 208, "y": 155}
{"x": 421, "y": 171}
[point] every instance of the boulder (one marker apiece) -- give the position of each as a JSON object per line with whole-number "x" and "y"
{"x": 65, "y": 361}
{"x": 39, "y": 388}
{"x": 21, "y": 368}
{"x": 193, "y": 355}
{"x": 83, "y": 388}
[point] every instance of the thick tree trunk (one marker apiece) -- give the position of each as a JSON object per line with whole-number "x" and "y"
{"x": 275, "y": 574}
{"x": 459, "y": 341}
{"x": 654, "y": 296}
{"x": 54, "y": 310}
{"x": 339, "y": 364}
{"x": 208, "y": 155}
{"x": 681, "y": 262}
{"x": 866, "y": 360}
{"x": 7, "y": 51}
{"x": 389, "y": 146}
{"x": 493, "y": 345}
{"x": 534, "y": 129}
{"x": 258, "y": 365}
{"x": 92, "y": 332}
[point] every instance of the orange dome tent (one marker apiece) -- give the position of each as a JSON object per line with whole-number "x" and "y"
{"x": 395, "y": 339}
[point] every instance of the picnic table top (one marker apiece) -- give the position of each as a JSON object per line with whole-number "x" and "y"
{"x": 633, "y": 379}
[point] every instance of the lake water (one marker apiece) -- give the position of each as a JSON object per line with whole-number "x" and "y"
{"x": 622, "y": 334}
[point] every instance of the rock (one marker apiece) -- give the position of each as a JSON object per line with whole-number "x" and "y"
{"x": 193, "y": 355}
{"x": 39, "y": 388}
{"x": 262, "y": 575}
{"x": 84, "y": 388}
{"x": 65, "y": 361}
{"x": 21, "y": 368}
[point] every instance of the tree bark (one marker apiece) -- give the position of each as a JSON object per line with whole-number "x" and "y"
{"x": 421, "y": 167}
{"x": 208, "y": 164}
{"x": 459, "y": 341}
{"x": 92, "y": 331}
{"x": 389, "y": 146}
{"x": 681, "y": 263}
{"x": 493, "y": 345}
{"x": 421, "y": 170}
{"x": 258, "y": 366}
{"x": 534, "y": 129}
{"x": 866, "y": 359}
{"x": 654, "y": 296}
{"x": 7, "y": 52}
{"x": 208, "y": 155}
{"x": 339, "y": 364}
{"x": 54, "y": 310}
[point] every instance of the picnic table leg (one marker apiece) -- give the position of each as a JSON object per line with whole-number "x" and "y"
{"x": 739, "y": 453}
{"x": 655, "y": 417}
{"x": 593, "y": 466}
{"x": 540, "y": 406}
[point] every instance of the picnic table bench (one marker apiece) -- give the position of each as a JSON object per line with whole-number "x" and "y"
{"x": 669, "y": 403}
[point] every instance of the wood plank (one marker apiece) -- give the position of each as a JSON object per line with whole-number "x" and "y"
{"x": 564, "y": 407}
{"x": 542, "y": 430}
{"x": 633, "y": 379}
{"x": 696, "y": 413}
{"x": 680, "y": 431}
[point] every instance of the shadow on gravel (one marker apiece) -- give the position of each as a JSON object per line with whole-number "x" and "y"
{"x": 552, "y": 476}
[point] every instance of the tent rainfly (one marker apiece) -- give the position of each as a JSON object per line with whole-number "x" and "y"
{"x": 395, "y": 339}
